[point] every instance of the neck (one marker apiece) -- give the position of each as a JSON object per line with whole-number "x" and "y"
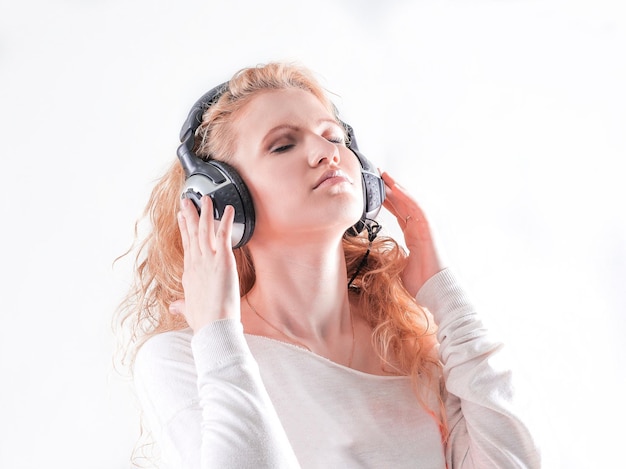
{"x": 302, "y": 291}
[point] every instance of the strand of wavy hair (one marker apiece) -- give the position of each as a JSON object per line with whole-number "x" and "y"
{"x": 404, "y": 333}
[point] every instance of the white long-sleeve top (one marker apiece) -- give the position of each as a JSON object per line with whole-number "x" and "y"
{"x": 224, "y": 399}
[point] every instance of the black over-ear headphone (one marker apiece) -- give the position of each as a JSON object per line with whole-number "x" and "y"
{"x": 222, "y": 183}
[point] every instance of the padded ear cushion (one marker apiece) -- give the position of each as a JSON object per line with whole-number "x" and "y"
{"x": 373, "y": 185}
{"x": 244, "y": 208}
{"x": 217, "y": 179}
{"x": 222, "y": 183}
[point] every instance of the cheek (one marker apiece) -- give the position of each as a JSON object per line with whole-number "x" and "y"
{"x": 272, "y": 197}
{"x": 355, "y": 172}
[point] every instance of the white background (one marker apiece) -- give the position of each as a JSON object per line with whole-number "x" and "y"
{"x": 504, "y": 118}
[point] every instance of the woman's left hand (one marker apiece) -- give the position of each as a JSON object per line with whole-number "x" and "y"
{"x": 424, "y": 259}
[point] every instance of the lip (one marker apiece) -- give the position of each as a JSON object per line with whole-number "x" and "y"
{"x": 333, "y": 174}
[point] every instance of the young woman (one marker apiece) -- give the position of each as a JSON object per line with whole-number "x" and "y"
{"x": 309, "y": 346}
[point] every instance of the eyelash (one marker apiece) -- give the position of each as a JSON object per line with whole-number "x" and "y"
{"x": 337, "y": 140}
{"x": 282, "y": 149}
{"x": 285, "y": 148}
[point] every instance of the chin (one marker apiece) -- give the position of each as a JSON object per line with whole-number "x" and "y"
{"x": 351, "y": 218}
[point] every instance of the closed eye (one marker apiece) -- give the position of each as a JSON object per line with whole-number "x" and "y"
{"x": 282, "y": 148}
{"x": 336, "y": 140}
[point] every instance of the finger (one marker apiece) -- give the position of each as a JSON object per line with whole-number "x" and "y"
{"x": 387, "y": 178}
{"x": 390, "y": 205}
{"x": 184, "y": 234}
{"x": 177, "y": 307}
{"x": 400, "y": 218}
{"x": 394, "y": 204}
{"x": 206, "y": 234}
{"x": 391, "y": 182}
{"x": 401, "y": 200}
{"x": 394, "y": 186}
{"x": 225, "y": 230}
{"x": 403, "y": 206}
{"x": 191, "y": 219}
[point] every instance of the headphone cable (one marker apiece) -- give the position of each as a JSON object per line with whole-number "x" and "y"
{"x": 372, "y": 231}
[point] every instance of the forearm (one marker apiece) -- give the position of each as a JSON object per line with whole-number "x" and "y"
{"x": 240, "y": 427}
{"x": 486, "y": 411}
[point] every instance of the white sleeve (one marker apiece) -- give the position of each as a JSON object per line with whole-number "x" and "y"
{"x": 205, "y": 403}
{"x": 486, "y": 412}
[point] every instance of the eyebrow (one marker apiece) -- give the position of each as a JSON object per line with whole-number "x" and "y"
{"x": 295, "y": 127}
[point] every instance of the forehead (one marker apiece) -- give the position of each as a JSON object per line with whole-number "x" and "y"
{"x": 277, "y": 107}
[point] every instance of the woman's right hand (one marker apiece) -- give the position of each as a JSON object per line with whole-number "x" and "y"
{"x": 424, "y": 260}
{"x": 210, "y": 278}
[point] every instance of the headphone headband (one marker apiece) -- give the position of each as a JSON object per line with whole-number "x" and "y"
{"x": 223, "y": 184}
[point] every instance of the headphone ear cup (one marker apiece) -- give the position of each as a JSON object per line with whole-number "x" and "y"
{"x": 217, "y": 179}
{"x": 373, "y": 186}
{"x": 373, "y": 198}
{"x": 224, "y": 185}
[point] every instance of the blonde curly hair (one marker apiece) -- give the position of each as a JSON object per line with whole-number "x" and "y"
{"x": 403, "y": 331}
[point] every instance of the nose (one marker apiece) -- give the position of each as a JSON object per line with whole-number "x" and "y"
{"x": 323, "y": 151}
